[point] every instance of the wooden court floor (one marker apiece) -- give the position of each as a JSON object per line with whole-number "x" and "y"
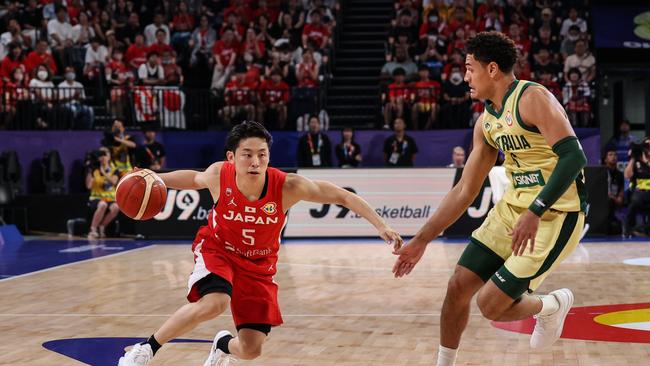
{"x": 341, "y": 306}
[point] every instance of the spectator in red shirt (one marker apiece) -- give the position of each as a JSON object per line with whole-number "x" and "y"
{"x": 398, "y": 95}
{"x": 274, "y": 97}
{"x": 161, "y": 44}
{"x": 136, "y": 54}
{"x": 225, "y": 54}
{"x": 239, "y": 97}
{"x": 433, "y": 25}
{"x": 549, "y": 81}
{"x": 118, "y": 77}
{"x": 522, "y": 43}
{"x": 425, "y": 95}
{"x": 16, "y": 94}
{"x": 307, "y": 71}
{"x": 457, "y": 59}
{"x": 181, "y": 27}
{"x": 39, "y": 57}
{"x": 458, "y": 41}
{"x": 173, "y": 73}
{"x": 459, "y": 20}
{"x": 15, "y": 59}
{"x": 241, "y": 10}
{"x": 263, "y": 9}
{"x": 491, "y": 22}
{"x": 522, "y": 69}
{"x": 484, "y": 10}
{"x": 316, "y": 32}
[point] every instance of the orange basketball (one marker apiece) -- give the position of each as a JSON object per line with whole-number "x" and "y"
{"x": 141, "y": 195}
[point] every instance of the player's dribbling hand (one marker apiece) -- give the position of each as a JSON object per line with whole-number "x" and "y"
{"x": 409, "y": 256}
{"x": 525, "y": 230}
{"x": 391, "y": 237}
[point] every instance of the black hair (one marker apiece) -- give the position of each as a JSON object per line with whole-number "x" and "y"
{"x": 575, "y": 70}
{"x": 495, "y": 47}
{"x": 347, "y": 128}
{"x": 244, "y": 130}
{"x": 160, "y": 30}
{"x": 399, "y": 71}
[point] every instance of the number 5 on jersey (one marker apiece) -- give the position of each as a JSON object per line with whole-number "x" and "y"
{"x": 248, "y": 239}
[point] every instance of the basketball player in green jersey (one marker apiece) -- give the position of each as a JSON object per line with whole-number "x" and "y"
{"x": 537, "y": 223}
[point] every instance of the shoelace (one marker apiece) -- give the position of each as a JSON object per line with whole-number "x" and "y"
{"x": 227, "y": 360}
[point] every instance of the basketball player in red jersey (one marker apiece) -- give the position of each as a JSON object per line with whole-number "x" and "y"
{"x": 236, "y": 253}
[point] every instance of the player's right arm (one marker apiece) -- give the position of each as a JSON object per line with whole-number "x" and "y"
{"x": 192, "y": 179}
{"x": 479, "y": 163}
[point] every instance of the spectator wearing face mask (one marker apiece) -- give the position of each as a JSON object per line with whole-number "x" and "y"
{"x": 71, "y": 95}
{"x": 568, "y": 45}
{"x": 456, "y": 112}
{"x": 43, "y": 95}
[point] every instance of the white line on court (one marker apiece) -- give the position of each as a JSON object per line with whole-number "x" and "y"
{"x": 77, "y": 262}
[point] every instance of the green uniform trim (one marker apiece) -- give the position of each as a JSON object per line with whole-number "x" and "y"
{"x": 571, "y": 160}
{"x": 480, "y": 259}
{"x": 520, "y": 120}
{"x": 514, "y": 286}
{"x": 490, "y": 108}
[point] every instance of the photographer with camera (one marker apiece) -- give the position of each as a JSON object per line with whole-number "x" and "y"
{"x": 101, "y": 179}
{"x": 121, "y": 147}
{"x": 638, "y": 172}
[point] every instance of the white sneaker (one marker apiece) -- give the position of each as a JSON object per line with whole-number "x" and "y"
{"x": 218, "y": 357}
{"x": 139, "y": 355}
{"x": 549, "y": 327}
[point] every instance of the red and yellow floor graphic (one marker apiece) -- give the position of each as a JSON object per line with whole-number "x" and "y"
{"x": 610, "y": 323}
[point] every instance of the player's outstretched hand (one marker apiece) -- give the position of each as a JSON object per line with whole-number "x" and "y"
{"x": 391, "y": 237}
{"x": 525, "y": 230}
{"x": 409, "y": 256}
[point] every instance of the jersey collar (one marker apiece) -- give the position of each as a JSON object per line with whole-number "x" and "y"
{"x": 488, "y": 103}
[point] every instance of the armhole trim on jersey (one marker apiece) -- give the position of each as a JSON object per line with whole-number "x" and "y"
{"x": 520, "y": 120}
{"x": 488, "y": 142}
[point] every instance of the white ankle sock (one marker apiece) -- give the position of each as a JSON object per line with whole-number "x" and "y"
{"x": 446, "y": 356}
{"x": 549, "y": 305}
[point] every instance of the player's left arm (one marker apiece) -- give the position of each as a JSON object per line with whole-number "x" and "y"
{"x": 298, "y": 188}
{"x": 539, "y": 108}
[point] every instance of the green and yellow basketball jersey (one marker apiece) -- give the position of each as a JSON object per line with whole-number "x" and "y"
{"x": 529, "y": 160}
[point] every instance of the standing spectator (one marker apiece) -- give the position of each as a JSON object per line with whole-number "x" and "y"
{"x": 314, "y": 147}
{"x": 637, "y": 171}
{"x": 397, "y": 99}
{"x": 151, "y": 155}
{"x": 15, "y": 59}
{"x": 348, "y": 152}
{"x": 456, "y": 112}
{"x": 202, "y": 41}
{"x": 96, "y": 57}
{"x": 171, "y": 70}
{"x": 307, "y": 71}
{"x": 72, "y": 95}
{"x": 573, "y": 20}
{"x": 101, "y": 182}
{"x": 40, "y": 56}
{"x": 239, "y": 97}
{"x": 121, "y": 147}
{"x": 225, "y": 54}
{"x": 615, "y": 191}
{"x": 151, "y": 72}
{"x": 400, "y": 149}
{"x": 425, "y": 97}
{"x": 136, "y": 54}
{"x": 583, "y": 60}
{"x": 42, "y": 90}
{"x": 457, "y": 157}
{"x": 118, "y": 78}
{"x": 274, "y": 97}
{"x": 182, "y": 26}
{"x": 622, "y": 141}
{"x": 316, "y": 32}
{"x": 151, "y": 29}
{"x": 576, "y": 99}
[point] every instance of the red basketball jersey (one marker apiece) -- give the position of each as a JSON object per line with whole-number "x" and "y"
{"x": 249, "y": 230}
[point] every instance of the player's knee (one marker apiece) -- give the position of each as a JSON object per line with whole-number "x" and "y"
{"x": 457, "y": 291}
{"x": 250, "y": 350}
{"x": 211, "y": 306}
{"x": 489, "y": 308}
{"x": 102, "y": 205}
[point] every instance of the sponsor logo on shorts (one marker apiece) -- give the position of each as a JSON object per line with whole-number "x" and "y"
{"x": 499, "y": 277}
{"x": 528, "y": 179}
{"x": 269, "y": 208}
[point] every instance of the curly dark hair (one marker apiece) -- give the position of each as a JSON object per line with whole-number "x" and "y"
{"x": 246, "y": 130}
{"x": 496, "y": 47}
